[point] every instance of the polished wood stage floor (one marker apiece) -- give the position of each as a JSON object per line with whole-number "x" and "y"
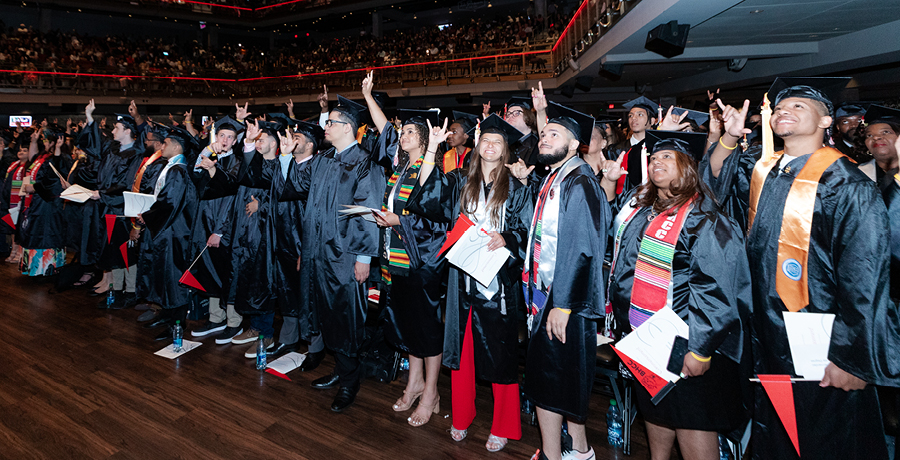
{"x": 78, "y": 382}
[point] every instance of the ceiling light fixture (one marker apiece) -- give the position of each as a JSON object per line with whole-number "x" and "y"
{"x": 756, "y": 11}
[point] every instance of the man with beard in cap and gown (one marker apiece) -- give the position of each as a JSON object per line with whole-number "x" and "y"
{"x": 563, "y": 282}
{"x": 817, "y": 243}
{"x": 337, "y": 251}
{"x": 169, "y": 222}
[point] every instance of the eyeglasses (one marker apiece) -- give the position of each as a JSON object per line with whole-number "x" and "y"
{"x": 330, "y": 122}
{"x": 514, "y": 113}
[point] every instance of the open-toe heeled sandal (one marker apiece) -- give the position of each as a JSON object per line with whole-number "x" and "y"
{"x": 493, "y": 442}
{"x": 401, "y": 406}
{"x": 435, "y": 409}
{"x": 458, "y": 435}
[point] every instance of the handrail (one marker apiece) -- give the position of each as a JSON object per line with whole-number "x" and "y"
{"x": 588, "y": 25}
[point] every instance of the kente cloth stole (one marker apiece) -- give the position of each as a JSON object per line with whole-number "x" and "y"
{"x": 529, "y": 277}
{"x": 651, "y": 290}
{"x": 796, "y": 223}
{"x": 395, "y": 199}
{"x": 17, "y": 169}
{"x": 32, "y": 173}
{"x": 454, "y": 161}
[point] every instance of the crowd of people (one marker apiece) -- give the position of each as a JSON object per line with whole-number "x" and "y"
{"x": 730, "y": 218}
{"x": 24, "y": 48}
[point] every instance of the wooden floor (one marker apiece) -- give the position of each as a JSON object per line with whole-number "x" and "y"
{"x": 77, "y": 382}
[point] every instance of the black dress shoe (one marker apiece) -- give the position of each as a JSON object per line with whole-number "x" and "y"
{"x": 324, "y": 383}
{"x": 164, "y": 335}
{"x": 312, "y": 361}
{"x": 156, "y": 323}
{"x": 148, "y": 315}
{"x": 124, "y": 300}
{"x": 344, "y": 398}
{"x": 280, "y": 349}
{"x": 94, "y": 293}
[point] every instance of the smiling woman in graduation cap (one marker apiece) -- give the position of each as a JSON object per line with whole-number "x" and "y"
{"x": 481, "y": 322}
{"x": 673, "y": 248}
{"x": 411, "y": 268}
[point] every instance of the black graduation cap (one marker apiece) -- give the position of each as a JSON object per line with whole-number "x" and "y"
{"x": 577, "y": 123}
{"x": 692, "y": 144}
{"x": 7, "y": 137}
{"x": 227, "y": 122}
{"x": 352, "y": 110}
{"x": 188, "y": 142}
{"x": 699, "y": 117}
{"x": 281, "y": 118}
{"x": 418, "y": 117}
{"x": 651, "y": 107}
{"x": 497, "y": 125}
{"x": 518, "y": 101}
{"x": 607, "y": 122}
{"x": 271, "y": 127}
{"x": 382, "y": 98}
{"x": 128, "y": 121}
{"x": 849, "y": 110}
{"x": 312, "y": 131}
{"x": 881, "y": 114}
{"x": 826, "y": 90}
{"x": 466, "y": 120}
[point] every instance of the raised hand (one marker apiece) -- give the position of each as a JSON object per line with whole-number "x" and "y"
{"x": 538, "y": 99}
{"x": 672, "y": 122}
{"x": 734, "y": 119}
{"x": 368, "y": 83}
{"x": 132, "y": 110}
{"x": 486, "y": 109}
{"x": 612, "y": 170}
{"x": 520, "y": 170}
{"x": 436, "y": 135}
{"x": 189, "y": 117}
{"x": 323, "y": 99}
{"x": 253, "y": 132}
{"x": 287, "y": 143}
{"x": 89, "y": 111}
{"x": 241, "y": 113}
{"x": 290, "y": 107}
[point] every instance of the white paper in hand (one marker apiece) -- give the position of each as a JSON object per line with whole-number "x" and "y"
{"x": 137, "y": 203}
{"x": 76, "y": 193}
{"x": 287, "y": 363}
{"x": 361, "y": 211}
{"x": 471, "y": 255}
{"x": 169, "y": 352}
{"x": 14, "y": 215}
{"x": 809, "y": 336}
{"x": 651, "y": 343}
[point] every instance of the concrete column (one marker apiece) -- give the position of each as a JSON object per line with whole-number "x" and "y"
{"x": 376, "y": 25}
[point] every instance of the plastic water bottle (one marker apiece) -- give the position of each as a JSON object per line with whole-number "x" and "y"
{"x": 614, "y": 425}
{"x": 261, "y": 353}
{"x": 404, "y": 364}
{"x": 110, "y": 297}
{"x": 724, "y": 449}
{"x": 177, "y": 334}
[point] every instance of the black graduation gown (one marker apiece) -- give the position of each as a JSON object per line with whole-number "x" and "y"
{"x": 216, "y": 203}
{"x": 848, "y": 275}
{"x": 146, "y": 271}
{"x": 328, "y": 289}
{"x": 5, "y": 192}
{"x": 559, "y": 377}
{"x": 114, "y": 174}
{"x": 288, "y": 241}
{"x": 169, "y": 222}
{"x": 250, "y": 239}
{"x": 495, "y": 333}
{"x": 83, "y": 173}
{"x": 711, "y": 292}
{"x": 41, "y": 226}
{"x": 413, "y": 307}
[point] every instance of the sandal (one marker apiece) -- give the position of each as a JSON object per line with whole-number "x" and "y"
{"x": 435, "y": 409}
{"x": 458, "y": 435}
{"x": 401, "y": 406}
{"x": 495, "y": 443}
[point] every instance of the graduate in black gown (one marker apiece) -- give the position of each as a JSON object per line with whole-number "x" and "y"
{"x": 845, "y": 272}
{"x": 709, "y": 281}
{"x": 481, "y": 322}
{"x": 337, "y": 251}
{"x": 117, "y": 161}
{"x": 145, "y": 182}
{"x": 41, "y": 225}
{"x": 10, "y": 199}
{"x": 169, "y": 222}
{"x": 642, "y": 115}
{"x": 564, "y": 281}
{"x": 414, "y": 272}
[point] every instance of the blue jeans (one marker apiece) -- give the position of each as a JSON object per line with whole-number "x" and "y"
{"x": 263, "y": 323}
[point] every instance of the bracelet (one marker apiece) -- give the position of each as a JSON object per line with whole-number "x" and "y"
{"x": 725, "y": 146}
{"x": 567, "y": 311}
{"x": 427, "y": 162}
{"x": 433, "y": 152}
{"x": 700, "y": 358}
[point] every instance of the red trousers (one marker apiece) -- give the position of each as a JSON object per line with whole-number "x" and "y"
{"x": 507, "y": 422}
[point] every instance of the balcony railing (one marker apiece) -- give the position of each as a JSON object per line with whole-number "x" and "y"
{"x": 592, "y": 20}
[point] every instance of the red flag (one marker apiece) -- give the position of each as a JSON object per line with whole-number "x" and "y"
{"x": 188, "y": 279}
{"x": 8, "y": 219}
{"x": 462, "y": 224}
{"x": 781, "y": 393}
{"x": 110, "y": 222}
{"x": 652, "y": 382}
{"x": 124, "y": 249}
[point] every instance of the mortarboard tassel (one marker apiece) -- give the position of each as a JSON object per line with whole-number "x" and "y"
{"x": 768, "y": 140}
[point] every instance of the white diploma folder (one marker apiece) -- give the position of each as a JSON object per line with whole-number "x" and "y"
{"x": 809, "y": 336}
{"x": 471, "y": 255}
{"x": 137, "y": 203}
{"x": 76, "y": 193}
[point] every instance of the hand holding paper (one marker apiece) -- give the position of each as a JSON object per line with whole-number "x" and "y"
{"x": 361, "y": 211}
{"x": 471, "y": 255}
{"x": 137, "y": 203}
{"x": 77, "y": 194}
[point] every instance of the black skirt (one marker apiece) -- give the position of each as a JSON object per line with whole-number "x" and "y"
{"x": 413, "y": 314}
{"x": 711, "y": 402}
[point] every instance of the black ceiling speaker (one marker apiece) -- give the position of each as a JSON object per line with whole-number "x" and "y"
{"x": 567, "y": 91}
{"x": 668, "y": 39}
{"x": 612, "y": 72}
{"x": 584, "y": 83}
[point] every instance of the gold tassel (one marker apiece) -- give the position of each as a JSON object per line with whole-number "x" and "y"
{"x": 361, "y": 133}
{"x": 768, "y": 141}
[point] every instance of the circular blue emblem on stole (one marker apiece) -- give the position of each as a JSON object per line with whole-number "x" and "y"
{"x": 792, "y": 269}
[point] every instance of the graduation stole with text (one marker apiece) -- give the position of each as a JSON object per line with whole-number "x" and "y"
{"x": 17, "y": 169}
{"x": 31, "y": 174}
{"x": 398, "y": 259}
{"x": 653, "y": 269}
{"x": 796, "y": 223}
{"x": 452, "y": 159}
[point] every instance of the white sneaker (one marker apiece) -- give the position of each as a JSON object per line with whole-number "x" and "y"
{"x": 575, "y": 455}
